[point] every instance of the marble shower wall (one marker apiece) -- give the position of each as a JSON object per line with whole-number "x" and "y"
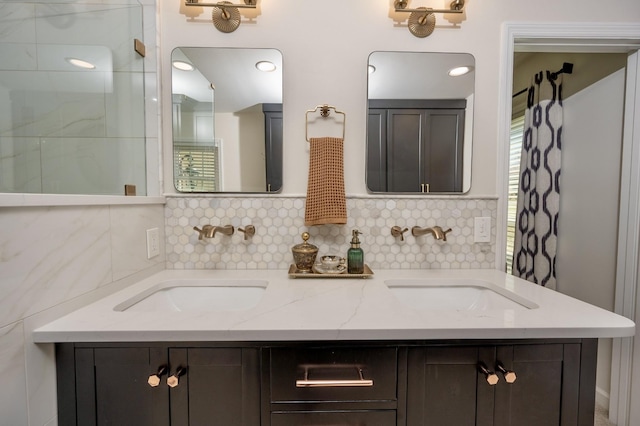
{"x": 63, "y": 129}
{"x": 50, "y": 259}
{"x": 279, "y": 222}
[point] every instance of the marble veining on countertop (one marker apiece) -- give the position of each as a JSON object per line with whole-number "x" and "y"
{"x": 337, "y": 309}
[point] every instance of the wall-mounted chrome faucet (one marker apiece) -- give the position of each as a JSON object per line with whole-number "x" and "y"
{"x": 209, "y": 231}
{"x": 437, "y": 232}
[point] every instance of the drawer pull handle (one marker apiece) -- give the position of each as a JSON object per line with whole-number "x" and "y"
{"x": 306, "y": 383}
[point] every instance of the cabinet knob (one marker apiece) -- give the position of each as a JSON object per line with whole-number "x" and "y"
{"x": 491, "y": 377}
{"x": 154, "y": 379}
{"x": 509, "y": 376}
{"x": 174, "y": 379}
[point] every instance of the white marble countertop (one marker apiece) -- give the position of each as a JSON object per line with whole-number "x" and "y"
{"x": 337, "y": 309}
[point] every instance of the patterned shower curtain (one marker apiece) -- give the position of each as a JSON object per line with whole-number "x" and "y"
{"x": 536, "y": 231}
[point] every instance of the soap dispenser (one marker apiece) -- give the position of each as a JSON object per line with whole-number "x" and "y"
{"x": 355, "y": 255}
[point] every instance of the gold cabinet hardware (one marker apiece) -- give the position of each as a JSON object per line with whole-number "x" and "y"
{"x": 509, "y": 376}
{"x": 174, "y": 379}
{"x": 491, "y": 377}
{"x": 154, "y": 379}
{"x": 332, "y": 383}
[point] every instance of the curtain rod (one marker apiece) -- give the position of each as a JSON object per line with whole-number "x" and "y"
{"x": 567, "y": 68}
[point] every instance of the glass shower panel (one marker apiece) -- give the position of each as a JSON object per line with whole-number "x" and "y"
{"x": 71, "y": 98}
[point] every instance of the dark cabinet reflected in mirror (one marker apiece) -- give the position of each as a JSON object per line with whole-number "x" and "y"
{"x": 420, "y": 120}
{"x": 227, "y": 119}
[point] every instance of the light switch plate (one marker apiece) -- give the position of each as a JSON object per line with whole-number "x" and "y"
{"x": 153, "y": 243}
{"x": 482, "y": 230}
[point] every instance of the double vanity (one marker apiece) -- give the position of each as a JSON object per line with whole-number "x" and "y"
{"x": 402, "y": 347}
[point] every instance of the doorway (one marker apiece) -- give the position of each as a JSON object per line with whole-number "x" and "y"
{"x": 593, "y": 104}
{"x": 594, "y": 39}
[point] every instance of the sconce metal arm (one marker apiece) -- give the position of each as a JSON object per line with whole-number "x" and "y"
{"x": 250, "y": 5}
{"x": 429, "y": 10}
{"x": 456, "y": 6}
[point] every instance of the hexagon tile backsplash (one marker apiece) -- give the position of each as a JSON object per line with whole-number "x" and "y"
{"x": 279, "y": 223}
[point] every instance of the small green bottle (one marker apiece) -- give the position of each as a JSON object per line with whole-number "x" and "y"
{"x": 355, "y": 255}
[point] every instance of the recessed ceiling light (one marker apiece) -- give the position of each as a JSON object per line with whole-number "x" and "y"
{"x": 80, "y": 63}
{"x": 184, "y": 66}
{"x": 371, "y": 69}
{"x": 266, "y": 66}
{"x": 458, "y": 71}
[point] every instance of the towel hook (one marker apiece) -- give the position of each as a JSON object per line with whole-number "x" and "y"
{"x": 324, "y": 112}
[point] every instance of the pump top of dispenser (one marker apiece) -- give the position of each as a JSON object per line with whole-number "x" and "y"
{"x": 355, "y": 241}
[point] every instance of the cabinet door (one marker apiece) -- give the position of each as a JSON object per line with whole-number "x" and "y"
{"x": 546, "y": 389}
{"x": 273, "y": 145}
{"x": 405, "y": 150}
{"x": 445, "y": 389}
{"x": 555, "y": 385}
{"x": 112, "y": 388}
{"x": 442, "y": 150}
{"x": 220, "y": 386}
{"x": 377, "y": 150}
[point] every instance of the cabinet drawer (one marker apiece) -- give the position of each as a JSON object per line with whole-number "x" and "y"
{"x": 333, "y": 374}
{"x": 343, "y": 418}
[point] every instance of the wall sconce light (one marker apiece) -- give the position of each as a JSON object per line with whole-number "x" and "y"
{"x": 422, "y": 20}
{"x": 225, "y": 15}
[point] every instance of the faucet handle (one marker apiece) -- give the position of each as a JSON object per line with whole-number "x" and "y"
{"x": 201, "y": 232}
{"x": 396, "y": 231}
{"x": 248, "y": 231}
{"x": 444, "y": 234}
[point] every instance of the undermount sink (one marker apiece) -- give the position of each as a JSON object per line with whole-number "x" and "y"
{"x": 196, "y": 295}
{"x": 460, "y": 295}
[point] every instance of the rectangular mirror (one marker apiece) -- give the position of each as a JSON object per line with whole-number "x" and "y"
{"x": 227, "y": 119}
{"x": 72, "y": 107}
{"x": 420, "y": 120}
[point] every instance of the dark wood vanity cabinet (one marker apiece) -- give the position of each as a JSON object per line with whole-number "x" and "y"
{"x": 411, "y": 383}
{"x": 108, "y": 385}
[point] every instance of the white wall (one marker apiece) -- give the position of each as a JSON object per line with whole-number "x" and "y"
{"x": 325, "y": 45}
{"x": 590, "y": 188}
{"x": 51, "y": 259}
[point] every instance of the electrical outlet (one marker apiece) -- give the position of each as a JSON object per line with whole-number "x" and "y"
{"x": 482, "y": 230}
{"x": 153, "y": 243}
